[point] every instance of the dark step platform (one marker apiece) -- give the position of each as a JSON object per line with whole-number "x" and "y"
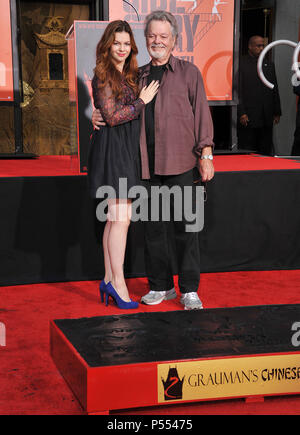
{"x": 18, "y": 156}
{"x": 146, "y": 359}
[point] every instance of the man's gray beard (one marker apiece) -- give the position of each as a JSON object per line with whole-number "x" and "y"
{"x": 155, "y": 54}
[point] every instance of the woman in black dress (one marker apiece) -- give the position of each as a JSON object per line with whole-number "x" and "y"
{"x": 114, "y": 154}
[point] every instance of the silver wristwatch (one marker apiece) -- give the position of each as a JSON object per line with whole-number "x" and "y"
{"x": 207, "y": 157}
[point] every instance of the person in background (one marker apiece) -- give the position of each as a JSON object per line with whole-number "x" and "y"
{"x": 296, "y": 144}
{"x": 259, "y": 107}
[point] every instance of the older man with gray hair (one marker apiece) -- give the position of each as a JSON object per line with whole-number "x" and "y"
{"x": 176, "y": 143}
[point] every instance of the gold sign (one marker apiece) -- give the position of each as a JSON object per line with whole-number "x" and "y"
{"x": 228, "y": 377}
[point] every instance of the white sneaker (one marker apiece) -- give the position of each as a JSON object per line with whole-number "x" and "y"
{"x": 156, "y": 297}
{"x": 191, "y": 301}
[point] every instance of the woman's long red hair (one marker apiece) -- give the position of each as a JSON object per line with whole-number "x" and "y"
{"x": 105, "y": 70}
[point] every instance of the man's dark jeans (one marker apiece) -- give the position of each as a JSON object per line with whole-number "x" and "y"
{"x": 160, "y": 237}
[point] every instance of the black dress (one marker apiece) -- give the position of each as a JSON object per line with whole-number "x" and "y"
{"x": 114, "y": 152}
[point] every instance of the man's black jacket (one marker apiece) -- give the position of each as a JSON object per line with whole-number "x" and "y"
{"x": 256, "y": 100}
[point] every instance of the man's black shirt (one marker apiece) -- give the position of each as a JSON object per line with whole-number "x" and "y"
{"x": 156, "y": 73}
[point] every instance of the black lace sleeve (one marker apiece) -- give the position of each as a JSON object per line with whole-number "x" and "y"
{"x": 115, "y": 112}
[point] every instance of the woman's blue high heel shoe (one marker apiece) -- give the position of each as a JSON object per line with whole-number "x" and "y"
{"x": 102, "y": 289}
{"x": 110, "y": 291}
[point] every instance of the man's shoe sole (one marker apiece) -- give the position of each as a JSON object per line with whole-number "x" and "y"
{"x": 193, "y": 309}
{"x": 173, "y": 295}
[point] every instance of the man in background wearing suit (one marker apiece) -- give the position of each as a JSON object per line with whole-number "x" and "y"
{"x": 296, "y": 144}
{"x": 259, "y": 107}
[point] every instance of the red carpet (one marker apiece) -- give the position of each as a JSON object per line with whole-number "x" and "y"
{"x": 47, "y": 166}
{"x": 43, "y": 166}
{"x": 252, "y": 162}
{"x": 30, "y": 382}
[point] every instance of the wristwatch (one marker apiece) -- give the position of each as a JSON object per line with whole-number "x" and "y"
{"x": 207, "y": 157}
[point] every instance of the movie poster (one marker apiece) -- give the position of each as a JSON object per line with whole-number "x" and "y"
{"x": 206, "y": 36}
{"x": 6, "y": 67}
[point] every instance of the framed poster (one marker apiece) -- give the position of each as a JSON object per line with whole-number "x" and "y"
{"x": 6, "y": 64}
{"x": 206, "y": 36}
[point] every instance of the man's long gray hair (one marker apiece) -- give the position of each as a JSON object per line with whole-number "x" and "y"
{"x": 162, "y": 16}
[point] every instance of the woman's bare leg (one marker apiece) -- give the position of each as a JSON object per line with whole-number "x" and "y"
{"x": 119, "y": 214}
{"x": 107, "y": 265}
